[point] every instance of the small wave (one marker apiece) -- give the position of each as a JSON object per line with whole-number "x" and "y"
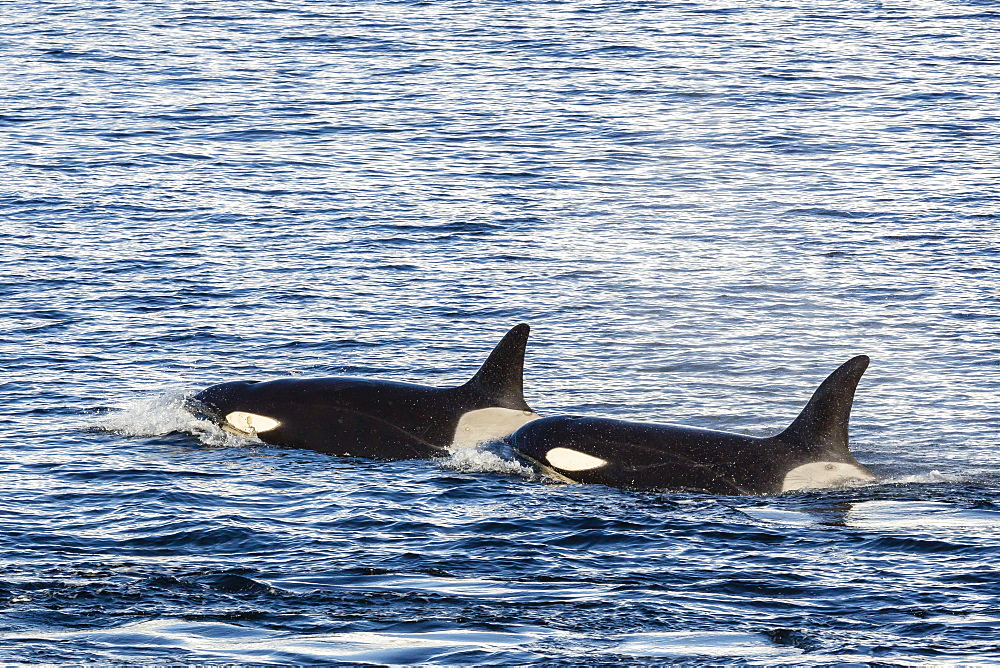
{"x": 162, "y": 414}
{"x": 488, "y": 458}
{"x": 928, "y": 478}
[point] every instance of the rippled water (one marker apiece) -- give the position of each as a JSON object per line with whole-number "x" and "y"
{"x": 702, "y": 208}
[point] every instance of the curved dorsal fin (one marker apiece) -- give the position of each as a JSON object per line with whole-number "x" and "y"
{"x": 500, "y": 380}
{"x": 822, "y": 424}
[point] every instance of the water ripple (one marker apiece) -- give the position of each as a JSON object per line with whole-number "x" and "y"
{"x": 701, "y": 209}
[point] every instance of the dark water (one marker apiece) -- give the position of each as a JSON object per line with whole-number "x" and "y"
{"x": 702, "y": 208}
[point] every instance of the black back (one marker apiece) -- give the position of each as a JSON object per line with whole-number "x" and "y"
{"x": 373, "y": 418}
{"x": 654, "y": 456}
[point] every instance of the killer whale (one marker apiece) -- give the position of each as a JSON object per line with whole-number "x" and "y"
{"x": 811, "y": 453}
{"x": 373, "y": 418}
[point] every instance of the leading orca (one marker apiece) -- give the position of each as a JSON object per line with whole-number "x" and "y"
{"x": 374, "y": 418}
{"x": 811, "y": 453}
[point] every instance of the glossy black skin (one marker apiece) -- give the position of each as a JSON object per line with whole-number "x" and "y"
{"x": 376, "y": 419}
{"x": 654, "y": 456}
{"x": 350, "y": 416}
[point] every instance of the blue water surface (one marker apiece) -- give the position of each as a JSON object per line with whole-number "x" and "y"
{"x": 702, "y": 208}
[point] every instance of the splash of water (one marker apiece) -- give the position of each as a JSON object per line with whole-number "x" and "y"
{"x": 487, "y": 458}
{"x": 167, "y": 413}
{"x": 161, "y": 414}
{"x": 928, "y": 478}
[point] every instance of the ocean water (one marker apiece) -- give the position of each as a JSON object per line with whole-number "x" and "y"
{"x": 701, "y": 208}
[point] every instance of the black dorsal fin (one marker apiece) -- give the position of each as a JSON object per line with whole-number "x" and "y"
{"x": 822, "y": 424}
{"x": 501, "y": 378}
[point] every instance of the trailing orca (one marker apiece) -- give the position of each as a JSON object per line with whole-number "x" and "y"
{"x": 812, "y": 453}
{"x": 374, "y": 418}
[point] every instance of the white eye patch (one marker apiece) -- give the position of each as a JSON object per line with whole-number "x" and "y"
{"x": 250, "y": 423}
{"x": 818, "y": 475}
{"x": 571, "y": 460}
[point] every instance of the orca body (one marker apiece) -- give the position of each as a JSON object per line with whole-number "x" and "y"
{"x": 812, "y": 453}
{"x": 378, "y": 419}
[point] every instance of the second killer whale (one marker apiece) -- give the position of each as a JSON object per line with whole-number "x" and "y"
{"x": 378, "y": 419}
{"x": 812, "y": 453}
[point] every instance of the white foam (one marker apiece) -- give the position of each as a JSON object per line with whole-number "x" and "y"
{"x": 162, "y": 414}
{"x": 483, "y": 460}
{"x": 923, "y": 478}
